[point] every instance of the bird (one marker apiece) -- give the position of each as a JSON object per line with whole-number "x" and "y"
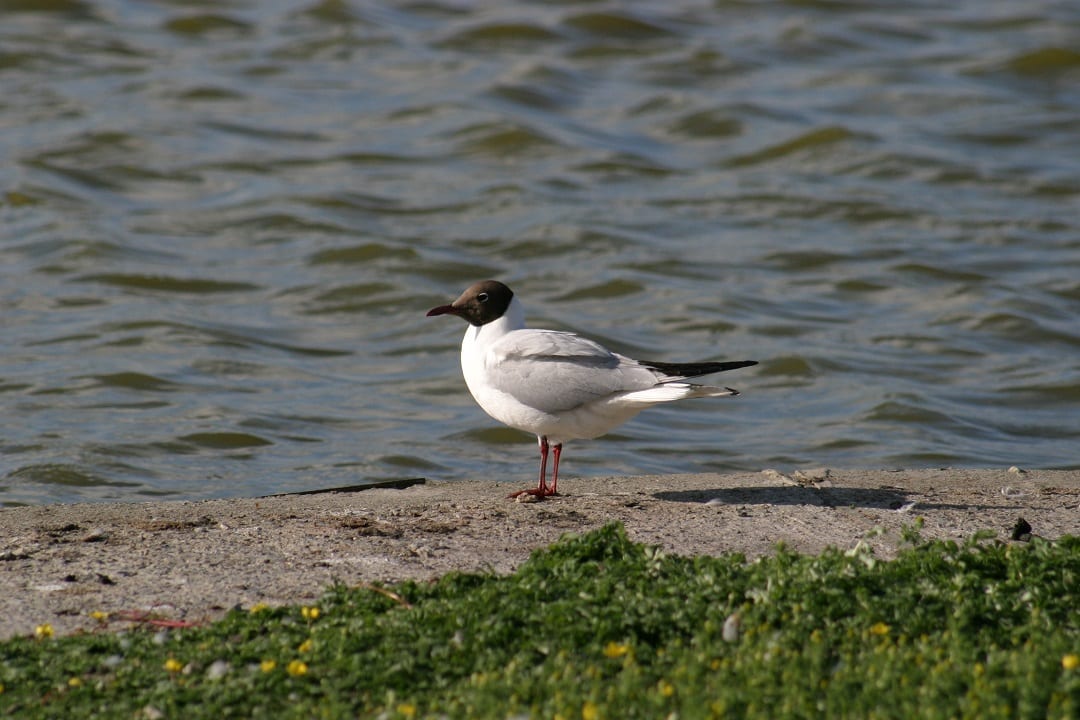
{"x": 558, "y": 385}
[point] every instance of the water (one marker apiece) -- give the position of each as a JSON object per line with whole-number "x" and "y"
{"x": 221, "y": 224}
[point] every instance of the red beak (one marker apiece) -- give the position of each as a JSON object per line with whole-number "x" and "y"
{"x": 442, "y": 310}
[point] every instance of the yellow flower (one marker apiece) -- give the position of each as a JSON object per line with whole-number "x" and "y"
{"x": 99, "y": 615}
{"x": 296, "y": 668}
{"x": 258, "y": 608}
{"x": 407, "y": 709}
{"x": 268, "y": 665}
{"x": 305, "y": 646}
{"x": 45, "y": 630}
{"x": 616, "y": 650}
{"x": 879, "y": 629}
{"x": 666, "y": 688}
{"x": 589, "y": 711}
{"x": 74, "y": 682}
{"x": 310, "y": 613}
{"x": 1070, "y": 661}
{"x": 173, "y": 665}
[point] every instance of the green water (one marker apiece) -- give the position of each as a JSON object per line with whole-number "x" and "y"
{"x": 221, "y": 224}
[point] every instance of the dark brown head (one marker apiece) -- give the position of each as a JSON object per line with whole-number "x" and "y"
{"x": 482, "y": 303}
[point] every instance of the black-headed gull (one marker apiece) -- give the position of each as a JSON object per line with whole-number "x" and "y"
{"x": 558, "y": 385}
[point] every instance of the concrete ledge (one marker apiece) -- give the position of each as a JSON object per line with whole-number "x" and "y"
{"x": 195, "y": 560}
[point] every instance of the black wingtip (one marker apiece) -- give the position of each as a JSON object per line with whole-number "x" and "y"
{"x": 689, "y": 370}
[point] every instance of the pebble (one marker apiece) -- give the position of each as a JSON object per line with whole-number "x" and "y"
{"x": 96, "y": 535}
{"x": 1022, "y": 530}
{"x": 217, "y": 670}
{"x": 732, "y": 625}
{"x": 777, "y": 475}
{"x": 818, "y": 477}
{"x": 814, "y": 475}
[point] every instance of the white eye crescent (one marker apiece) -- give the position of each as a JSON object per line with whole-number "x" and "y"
{"x": 482, "y": 297}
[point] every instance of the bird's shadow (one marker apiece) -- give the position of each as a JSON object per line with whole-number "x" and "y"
{"x": 886, "y": 498}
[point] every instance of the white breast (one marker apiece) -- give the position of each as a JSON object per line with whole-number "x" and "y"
{"x": 480, "y": 366}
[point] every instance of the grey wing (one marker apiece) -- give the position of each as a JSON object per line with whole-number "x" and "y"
{"x": 556, "y": 371}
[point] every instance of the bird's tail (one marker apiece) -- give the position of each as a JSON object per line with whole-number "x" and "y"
{"x": 670, "y": 391}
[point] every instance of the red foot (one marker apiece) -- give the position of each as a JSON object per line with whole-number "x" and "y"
{"x": 537, "y": 492}
{"x": 542, "y": 489}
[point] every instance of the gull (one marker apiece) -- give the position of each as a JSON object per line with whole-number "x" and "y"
{"x": 558, "y": 385}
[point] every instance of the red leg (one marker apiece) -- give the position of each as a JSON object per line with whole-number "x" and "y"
{"x": 541, "y": 489}
{"x": 557, "y": 449}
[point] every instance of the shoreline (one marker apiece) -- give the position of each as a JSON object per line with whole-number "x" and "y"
{"x": 192, "y": 561}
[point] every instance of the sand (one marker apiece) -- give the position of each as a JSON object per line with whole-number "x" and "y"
{"x": 192, "y": 561}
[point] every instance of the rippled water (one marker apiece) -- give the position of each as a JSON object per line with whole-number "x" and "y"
{"x": 221, "y": 224}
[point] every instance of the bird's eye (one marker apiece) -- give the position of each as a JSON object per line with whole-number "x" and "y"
{"x": 482, "y": 297}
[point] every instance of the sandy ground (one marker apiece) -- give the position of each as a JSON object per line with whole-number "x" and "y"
{"x": 191, "y": 561}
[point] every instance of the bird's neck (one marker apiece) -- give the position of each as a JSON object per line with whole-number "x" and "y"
{"x": 512, "y": 319}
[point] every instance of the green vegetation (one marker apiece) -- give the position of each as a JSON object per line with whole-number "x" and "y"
{"x": 599, "y": 627}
